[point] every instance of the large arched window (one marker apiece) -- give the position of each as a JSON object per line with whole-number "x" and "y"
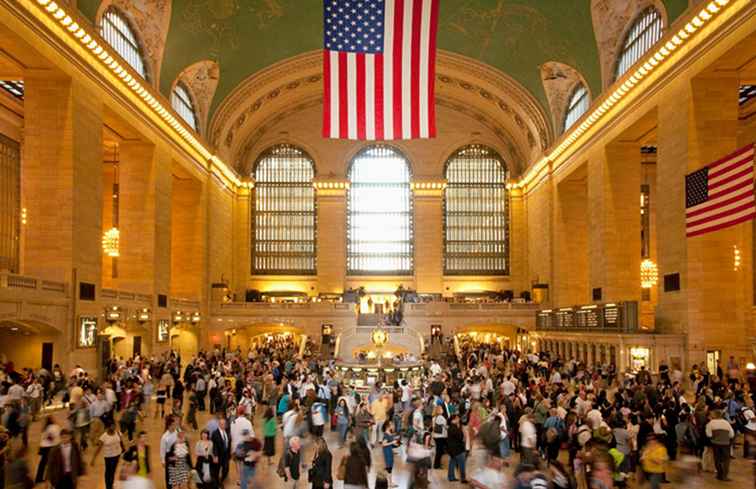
{"x": 476, "y": 234}
{"x": 283, "y": 238}
{"x": 181, "y": 102}
{"x": 577, "y": 105}
{"x": 379, "y": 220}
{"x": 644, "y": 33}
{"x": 118, "y": 33}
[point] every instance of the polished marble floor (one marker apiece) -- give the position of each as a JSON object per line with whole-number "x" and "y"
{"x": 741, "y": 472}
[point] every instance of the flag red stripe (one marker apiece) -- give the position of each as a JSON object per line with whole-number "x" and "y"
{"x": 715, "y": 217}
{"x": 730, "y": 156}
{"x": 417, "y": 18}
{"x": 723, "y": 225}
{"x": 379, "y": 97}
{"x": 731, "y": 189}
{"x": 361, "y": 126}
{"x": 343, "y": 109}
{"x": 731, "y": 178}
{"x": 326, "y": 93}
{"x": 398, "y": 35}
{"x": 743, "y": 161}
{"x": 718, "y": 204}
{"x": 432, "y": 70}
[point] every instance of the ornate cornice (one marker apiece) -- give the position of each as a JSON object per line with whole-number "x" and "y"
{"x": 267, "y": 97}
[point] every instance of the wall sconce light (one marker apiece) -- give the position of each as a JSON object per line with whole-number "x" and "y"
{"x": 144, "y": 315}
{"x": 736, "y": 259}
{"x": 178, "y": 316}
{"x": 23, "y": 216}
{"x": 113, "y": 314}
{"x": 196, "y": 317}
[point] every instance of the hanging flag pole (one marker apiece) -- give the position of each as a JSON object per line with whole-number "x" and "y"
{"x": 379, "y": 69}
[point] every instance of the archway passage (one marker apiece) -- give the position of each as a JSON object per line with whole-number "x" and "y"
{"x": 272, "y": 336}
{"x": 31, "y": 344}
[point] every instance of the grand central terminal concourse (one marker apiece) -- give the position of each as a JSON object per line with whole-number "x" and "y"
{"x": 374, "y": 244}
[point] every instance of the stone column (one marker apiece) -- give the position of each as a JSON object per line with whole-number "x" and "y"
{"x": 698, "y": 124}
{"x": 242, "y": 242}
{"x": 62, "y": 179}
{"x": 331, "y": 245}
{"x": 188, "y": 238}
{"x": 571, "y": 232}
{"x": 614, "y": 241}
{"x": 429, "y": 237}
{"x": 144, "y": 217}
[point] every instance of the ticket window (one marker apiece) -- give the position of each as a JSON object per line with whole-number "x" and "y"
{"x": 639, "y": 357}
{"x": 712, "y": 359}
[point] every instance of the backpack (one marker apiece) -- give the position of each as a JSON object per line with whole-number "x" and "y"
{"x": 490, "y": 434}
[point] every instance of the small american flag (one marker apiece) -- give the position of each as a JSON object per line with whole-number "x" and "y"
{"x": 721, "y": 194}
{"x": 379, "y": 65}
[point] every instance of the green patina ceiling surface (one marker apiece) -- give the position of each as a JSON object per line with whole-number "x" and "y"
{"x": 514, "y": 36}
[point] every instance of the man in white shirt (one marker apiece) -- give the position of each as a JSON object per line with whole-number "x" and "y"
{"x": 528, "y": 439}
{"x": 289, "y": 422}
{"x": 406, "y": 394}
{"x": 166, "y": 442}
{"x": 507, "y": 387}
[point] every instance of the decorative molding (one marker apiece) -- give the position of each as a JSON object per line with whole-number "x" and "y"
{"x": 201, "y": 78}
{"x": 151, "y": 20}
{"x": 612, "y": 20}
{"x": 559, "y": 80}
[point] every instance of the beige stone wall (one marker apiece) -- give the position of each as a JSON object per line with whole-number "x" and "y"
{"x": 571, "y": 231}
{"x": 539, "y": 211}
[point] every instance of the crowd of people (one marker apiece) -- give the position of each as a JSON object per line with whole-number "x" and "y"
{"x": 534, "y": 421}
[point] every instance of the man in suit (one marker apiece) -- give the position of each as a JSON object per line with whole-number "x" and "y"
{"x": 65, "y": 466}
{"x": 222, "y": 448}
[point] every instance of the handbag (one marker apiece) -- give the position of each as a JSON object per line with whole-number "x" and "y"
{"x": 341, "y": 470}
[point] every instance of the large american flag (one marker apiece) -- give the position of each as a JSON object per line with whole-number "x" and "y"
{"x": 379, "y": 68}
{"x": 721, "y": 194}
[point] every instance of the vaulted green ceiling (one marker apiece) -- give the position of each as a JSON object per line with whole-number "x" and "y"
{"x": 514, "y": 36}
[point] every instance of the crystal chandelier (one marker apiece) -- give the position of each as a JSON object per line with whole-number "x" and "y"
{"x": 110, "y": 242}
{"x": 649, "y": 274}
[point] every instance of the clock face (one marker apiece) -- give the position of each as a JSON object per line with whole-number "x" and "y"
{"x": 379, "y": 337}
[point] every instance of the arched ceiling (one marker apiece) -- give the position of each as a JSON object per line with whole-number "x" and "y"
{"x": 513, "y": 36}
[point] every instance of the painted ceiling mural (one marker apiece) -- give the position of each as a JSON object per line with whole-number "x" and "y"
{"x": 514, "y": 36}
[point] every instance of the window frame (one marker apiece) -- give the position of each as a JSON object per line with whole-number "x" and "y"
{"x": 356, "y": 272}
{"x": 254, "y": 204}
{"x": 450, "y": 185}
{"x": 634, "y": 38}
{"x": 574, "y": 102}
{"x": 186, "y": 101}
{"x": 129, "y": 39}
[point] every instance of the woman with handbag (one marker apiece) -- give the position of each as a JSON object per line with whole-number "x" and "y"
{"x": 319, "y": 473}
{"x": 354, "y": 468}
{"x": 179, "y": 462}
{"x": 440, "y": 427}
{"x": 111, "y": 445}
{"x": 205, "y": 461}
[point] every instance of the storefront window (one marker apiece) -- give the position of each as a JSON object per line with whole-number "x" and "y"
{"x": 639, "y": 357}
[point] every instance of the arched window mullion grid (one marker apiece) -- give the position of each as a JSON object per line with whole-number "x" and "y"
{"x": 284, "y": 213}
{"x": 644, "y": 33}
{"x": 182, "y": 103}
{"x": 380, "y": 214}
{"x": 115, "y": 29}
{"x": 476, "y": 213}
{"x": 577, "y": 105}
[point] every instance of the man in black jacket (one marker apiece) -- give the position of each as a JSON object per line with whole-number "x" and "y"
{"x": 222, "y": 448}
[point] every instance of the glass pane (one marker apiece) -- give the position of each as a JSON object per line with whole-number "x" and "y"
{"x": 284, "y": 217}
{"x": 380, "y": 213}
{"x": 476, "y": 219}
{"x": 644, "y": 33}
{"x": 116, "y": 31}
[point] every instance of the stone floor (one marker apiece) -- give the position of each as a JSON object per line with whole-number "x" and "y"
{"x": 741, "y": 472}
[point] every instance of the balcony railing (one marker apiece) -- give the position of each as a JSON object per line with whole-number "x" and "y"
{"x": 125, "y": 295}
{"x": 13, "y": 281}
